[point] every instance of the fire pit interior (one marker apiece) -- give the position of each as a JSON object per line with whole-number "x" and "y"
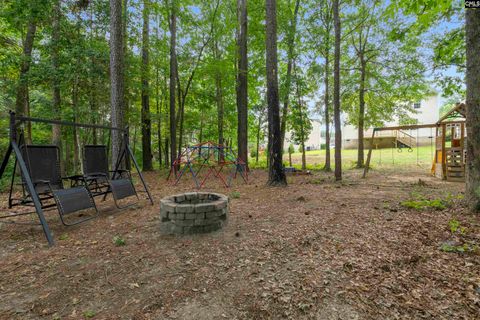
{"x": 193, "y": 212}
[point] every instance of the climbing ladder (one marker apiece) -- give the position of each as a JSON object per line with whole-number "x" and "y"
{"x": 455, "y": 164}
{"x": 404, "y": 140}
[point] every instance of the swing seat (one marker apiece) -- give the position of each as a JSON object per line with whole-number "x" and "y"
{"x": 43, "y": 165}
{"x": 103, "y": 181}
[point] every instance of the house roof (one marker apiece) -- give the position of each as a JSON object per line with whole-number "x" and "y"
{"x": 459, "y": 111}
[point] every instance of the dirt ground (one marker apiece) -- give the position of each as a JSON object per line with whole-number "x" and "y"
{"x": 313, "y": 250}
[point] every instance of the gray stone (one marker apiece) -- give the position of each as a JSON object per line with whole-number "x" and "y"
{"x": 190, "y": 195}
{"x": 167, "y": 205}
{"x": 213, "y": 226}
{"x": 193, "y": 230}
{"x": 201, "y": 222}
{"x": 185, "y": 223}
{"x": 170, "y": 228}
{"x": 184, "y": 208}
{"x": 163, "y": 213}
{"x": 204, "y": 207}
{"x": 192, "y": 216}
{"x": 220, "y": 204}
{"x": 179, "y": 198}
{"x": 202, "y": 195}
{"x": 213, "y": 214}
{"x": 176, "y": 216}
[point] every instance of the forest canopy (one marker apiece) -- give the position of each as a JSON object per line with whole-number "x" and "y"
{"x": 55, "y": 62}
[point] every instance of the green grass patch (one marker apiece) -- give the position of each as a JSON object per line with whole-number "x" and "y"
{"x": 390, "y": 158}
{"x": 234, "y": 194}
{"x": 63, "y": 236}
{"x": 89, "y": 314}
{"x": 449, "y": 248}
{"x": 119, "y": 241}
{"x": 455, "y": 227}
{"x": 437, "y": 204}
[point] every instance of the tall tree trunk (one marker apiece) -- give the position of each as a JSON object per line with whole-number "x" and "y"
{"x": 92, "y": 97}
{"x": 76, "y": 149}
{"x": 361, "y": 114}
{"x": 167, "y": 161}
{"x": 276, "y": 174}
{"x": 336, "y": 92}
{"x": 134, "y": 149}
{"x": 288, "y": 78}
{"x": 472, "y": 27}
{"x": 200, "y": 135}
{"x": 180, "y": 129}
{"x": 289, "y": 157}
{"x": 259, "y": 128}
{"x": 56, "y": 129}
{"x": 116, "y": 76}
{"x": 126, "y": 96}
{"x": 159, "y": 116}
{"x": 220, "y": 107}
{"x": 327, "y": 167}
{"x": 302, "y": 135}
{"x": 146, "y": 121}
{"x": 302, "y": 124}
{"x": 22, "y": 100}
{"x": 242, "y": 88}
{"x": 219, "y": 100}
{"x": 173, "y": 74}
{"x": 66, "y": 163}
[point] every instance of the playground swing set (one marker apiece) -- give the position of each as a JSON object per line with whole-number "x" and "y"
{"x": 212, "y": 160}
{"x": 449, "y": 158}
{"x": 42, "y": 184}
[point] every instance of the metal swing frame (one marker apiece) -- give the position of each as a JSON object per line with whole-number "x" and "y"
{"x": 15, "y": 148}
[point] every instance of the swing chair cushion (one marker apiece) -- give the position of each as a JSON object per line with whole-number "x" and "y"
{"x": 95, "y": 160}
{"x": 122, "y": 188}
{"x": 95, "y": 164}
{"x": 96, "y": 169}
{"x": 43, "y": 166}
{"x": 73, "y": 200}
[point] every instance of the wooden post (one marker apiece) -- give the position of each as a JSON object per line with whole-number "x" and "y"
{"x": 369, "y": 157}
{"x": 444, "y": 156}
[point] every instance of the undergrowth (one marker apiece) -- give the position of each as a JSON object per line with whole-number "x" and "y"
{"x": 418, "y": 201}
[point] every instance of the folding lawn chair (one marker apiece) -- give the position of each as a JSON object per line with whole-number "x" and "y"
{"x": 102, "y": 181}
{"x": 43, "y": 165}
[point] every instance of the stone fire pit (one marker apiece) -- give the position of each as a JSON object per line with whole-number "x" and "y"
{"x": 193, "y": 212}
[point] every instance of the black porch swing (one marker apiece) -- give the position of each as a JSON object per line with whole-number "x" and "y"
{"x": 43, "y": 185}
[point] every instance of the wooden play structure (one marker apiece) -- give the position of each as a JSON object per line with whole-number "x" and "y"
{"x": 450, "y": 152}
{"x": 450, "y": 142}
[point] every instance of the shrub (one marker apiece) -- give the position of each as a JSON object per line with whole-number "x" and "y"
{"x": 119, "y": 241}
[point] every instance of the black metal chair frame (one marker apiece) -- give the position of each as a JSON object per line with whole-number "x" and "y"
{"x": 100, "y": 180}
{"x": 52, "y": 184}
{"x": 29, "y": 185}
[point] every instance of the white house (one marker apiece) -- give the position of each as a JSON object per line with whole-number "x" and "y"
{"x": 427, "y": 112}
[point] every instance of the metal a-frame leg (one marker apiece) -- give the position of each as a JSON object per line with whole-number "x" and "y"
{"x": 2, "y": 171}
{"x": 5, "y": 160}
{"x": 33, "y": 193}
{"x": 127, "y": 147}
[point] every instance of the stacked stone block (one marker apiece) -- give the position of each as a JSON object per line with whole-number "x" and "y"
{"x": 193, "y": 212}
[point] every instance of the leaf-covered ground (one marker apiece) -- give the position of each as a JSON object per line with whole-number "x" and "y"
{"x": 313, "y": 250}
